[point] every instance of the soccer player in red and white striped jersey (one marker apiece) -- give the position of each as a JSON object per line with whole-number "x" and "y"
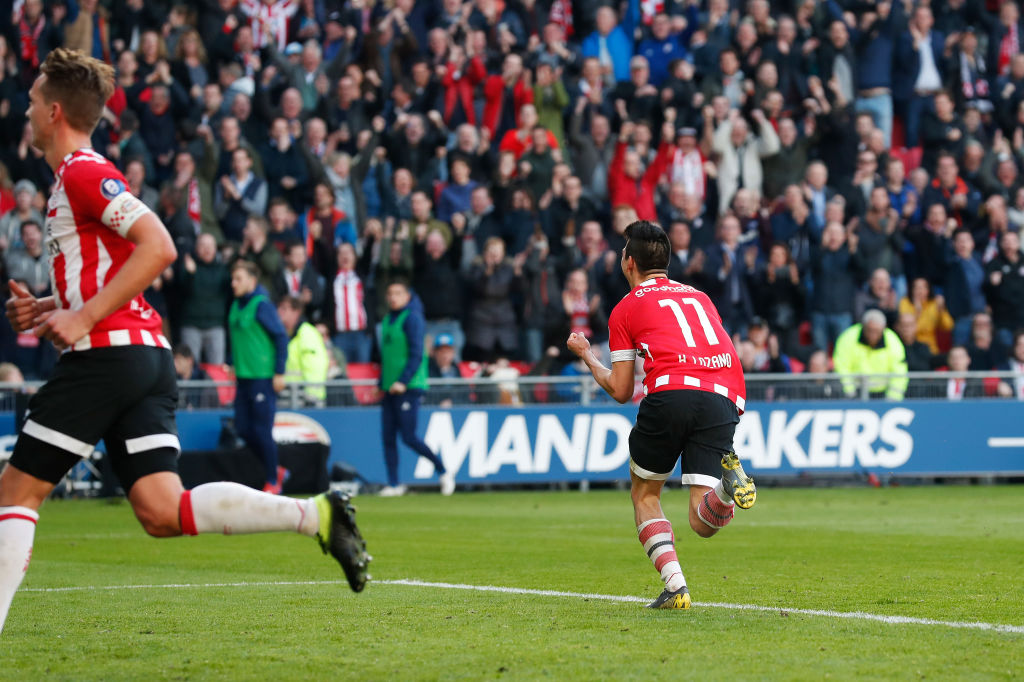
{"x": 115, "y": 380}
{"x": 694, "y": 393}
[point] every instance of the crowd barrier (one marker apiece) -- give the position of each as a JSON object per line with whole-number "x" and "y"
{"x": 574, "y": 442}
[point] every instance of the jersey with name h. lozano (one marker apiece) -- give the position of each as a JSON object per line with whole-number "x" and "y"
{"x": 88, "y": 217}
{"x": 679, "y": 334}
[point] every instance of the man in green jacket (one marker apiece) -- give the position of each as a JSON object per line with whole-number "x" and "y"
{"x": 871, "y": 348}
{"x": 259, "y": 347}
{"x": 403, "y": 378}
{"x": 307, "y": 353}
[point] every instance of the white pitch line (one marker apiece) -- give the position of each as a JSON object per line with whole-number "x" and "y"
{"x": 996, "y": 442}
{"x": 854, "y": 615}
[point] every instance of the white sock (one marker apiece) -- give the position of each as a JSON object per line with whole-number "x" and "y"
{"x": 659, "y": 542}
{"x": 233, "y": 509}
{"x": 17, "y": 530}
{"x": 722, "y": 495}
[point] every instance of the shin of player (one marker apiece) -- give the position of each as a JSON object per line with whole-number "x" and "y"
{"x": 694, "y": 393}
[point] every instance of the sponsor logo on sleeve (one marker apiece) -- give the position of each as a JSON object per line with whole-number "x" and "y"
{"x": 111, "y": 187}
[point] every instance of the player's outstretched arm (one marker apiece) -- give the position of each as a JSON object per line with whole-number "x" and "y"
{"x": 617, "y": 381}
{"x": 154, "y": 251}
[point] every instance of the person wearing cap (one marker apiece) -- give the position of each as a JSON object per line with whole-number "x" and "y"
{"x": 302, "y": 65}
{"x": 442, "y": 365}
{"x": 10, "y": 224}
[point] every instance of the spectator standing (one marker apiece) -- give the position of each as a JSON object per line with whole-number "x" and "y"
{"x": 741, "y": 151}
{"x": 287, "y": 172}
{"x": 965, "y": 277}
{"x": 930, "y": 312}
{"x": 1004, "y": 288}
{"x": 239, "y": 195}
{"x": 919, "y": 70}
{"x": 726, "y": 268}
{"x": 835, "y": 267}
{"x": 628, "y": 183}
{"x": 299, "y": 279}
{"x": 612, "y": 47}
{"x": 346, "y": 306}
{"x": 491, "y": 281}
{"x": 439, "y": 283}
{"x": 204, "y": 284}
{"x": 259, "y": 349}
{"x": 403, "y": 379}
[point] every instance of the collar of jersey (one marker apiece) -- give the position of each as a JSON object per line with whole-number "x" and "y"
{"x": 651, "y": 281}
{"x": 68, "y": 157}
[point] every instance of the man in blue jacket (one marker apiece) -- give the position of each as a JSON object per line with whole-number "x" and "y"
{"x": 612, "y": 47}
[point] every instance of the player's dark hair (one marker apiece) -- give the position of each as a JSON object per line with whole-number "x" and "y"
{"x": 80, "y": 84}
{"x": 648, "y": 246}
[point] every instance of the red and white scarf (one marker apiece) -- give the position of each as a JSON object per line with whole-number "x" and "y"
{"x": 688, "y": 169}
{"x": 349, "y": 311}
{"x": 29, "y": 37}
{"x": 561, "y": 14}
{"x": 1008, "y": 46}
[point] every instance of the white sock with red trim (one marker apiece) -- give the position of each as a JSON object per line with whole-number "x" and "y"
{"x": 234, "y": 509}
{"x": 17, "y": 530}
{"x": 659, "y": 542}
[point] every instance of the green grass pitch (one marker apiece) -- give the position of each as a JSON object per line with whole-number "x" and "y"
{"x": 221, "y": 608}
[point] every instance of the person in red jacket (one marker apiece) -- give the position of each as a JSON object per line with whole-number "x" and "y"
{"x": 518, "y": 140}
{"x": 628, "y": 183}
{"x": 459, "y": 78}
{"x": 500, "y": 114}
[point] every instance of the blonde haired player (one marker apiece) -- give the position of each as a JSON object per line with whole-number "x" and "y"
{"x": 115, "y": 379}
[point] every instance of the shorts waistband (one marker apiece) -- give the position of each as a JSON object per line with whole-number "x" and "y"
{"x": 687, "y": 381}
{"x": 122, "y": 337}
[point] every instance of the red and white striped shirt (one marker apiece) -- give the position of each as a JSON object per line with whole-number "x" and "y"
{"x": 349, "y": 310}
{"x": 88, "y": 217}
{"x": 679, "y": 333}
{"x": 274, "y": 17}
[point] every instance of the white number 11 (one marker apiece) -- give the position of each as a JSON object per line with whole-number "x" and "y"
{"x": 684, "y": 326}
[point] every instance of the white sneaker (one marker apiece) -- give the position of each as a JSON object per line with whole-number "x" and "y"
{"x": 447, "y": 484}
{"x": 392, "y": 491}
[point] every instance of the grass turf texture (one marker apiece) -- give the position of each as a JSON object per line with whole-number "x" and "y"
{"x": 948, "y": 553}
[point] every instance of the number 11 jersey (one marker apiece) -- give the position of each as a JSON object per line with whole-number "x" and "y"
{"x": 679, "y": 334}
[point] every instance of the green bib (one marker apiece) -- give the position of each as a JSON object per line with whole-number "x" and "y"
{"x": 394, "y": 353}
{"x": 252, "y": 349}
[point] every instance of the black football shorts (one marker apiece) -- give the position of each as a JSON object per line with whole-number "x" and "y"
{"x": 696, "y": 425}
{"x": 124, "y": 395}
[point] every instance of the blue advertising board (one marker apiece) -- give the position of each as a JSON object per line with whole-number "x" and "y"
{"x": 537, "y": 444}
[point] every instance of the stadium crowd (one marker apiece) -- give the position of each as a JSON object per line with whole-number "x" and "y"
{"x": 811, "y": 160}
